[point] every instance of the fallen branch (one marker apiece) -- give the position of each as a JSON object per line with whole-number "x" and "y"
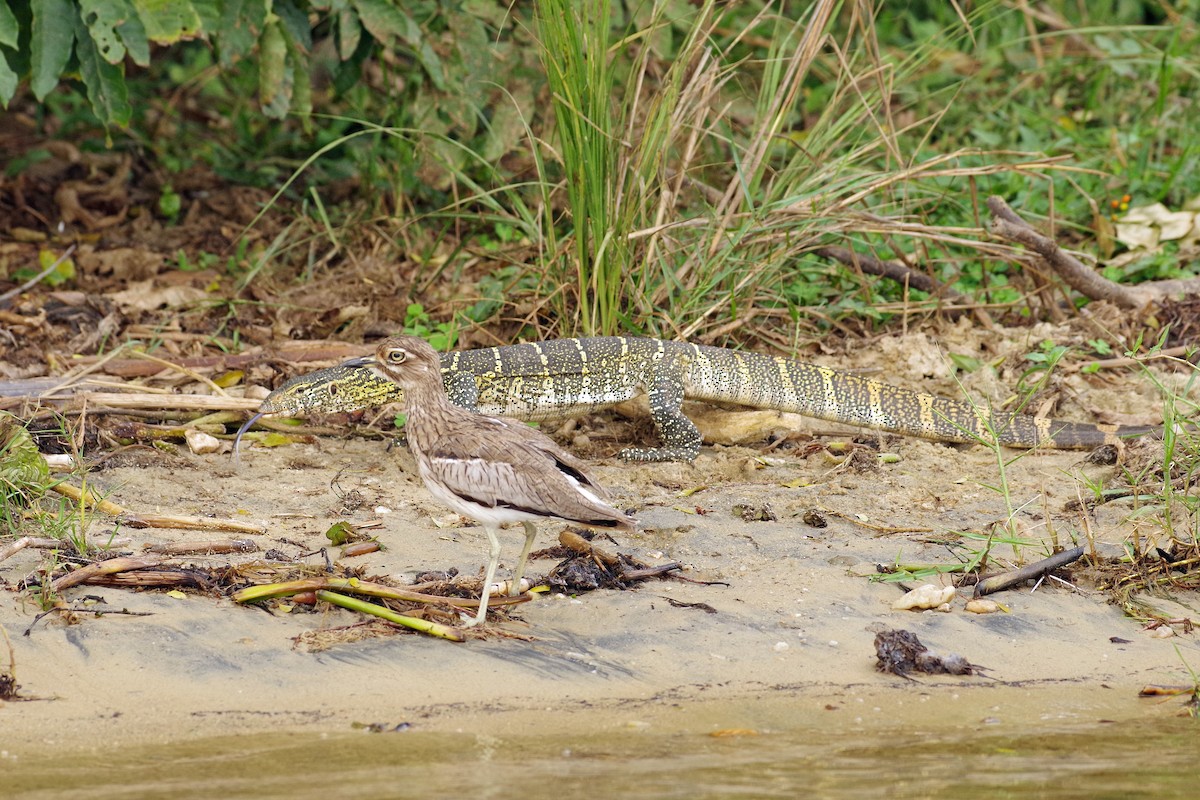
{"x": 1007, "y": 225}
{"x": 156, "y": 578}
{"x": 205, "y": 402}
{"x": 109, "y": 567}
{"x": 203, "y": 548}
{"x": 1005, "y": 580}
{"x": 894, "y": 270}
{"x": 132, "y": 519}
{"x": 10, "y": 550}
{"x": 1183, "y": 351}
{"x": 305, "y": 352}
{"x": 47, "y": 543}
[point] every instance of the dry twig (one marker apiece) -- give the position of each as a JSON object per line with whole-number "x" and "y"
{"x": 1007, "y": 225}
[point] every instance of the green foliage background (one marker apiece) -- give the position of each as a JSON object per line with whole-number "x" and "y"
{"x": 498, "y": 126}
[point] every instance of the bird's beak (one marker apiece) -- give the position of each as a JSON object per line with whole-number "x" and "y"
{"x": 363, "y": 361}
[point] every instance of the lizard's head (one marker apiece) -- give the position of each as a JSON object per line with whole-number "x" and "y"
{"x": 346, "y": 387}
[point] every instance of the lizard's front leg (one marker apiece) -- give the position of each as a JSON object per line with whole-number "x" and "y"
{"x": 679, "y": 435}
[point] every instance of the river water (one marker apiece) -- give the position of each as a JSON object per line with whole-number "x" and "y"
{"x": 684, "y": 756}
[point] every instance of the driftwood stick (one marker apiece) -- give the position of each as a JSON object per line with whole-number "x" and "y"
{"x": 88, "y": 498}
{"x": 47, "y": 543}
{"x": 109, "y": 567}
{"x": 205, "y": 402}
{"x": 1183, "y": 351}
{"x": 305, "y": 352}
{"x": 133, "y": 519}
{"x": 1005, "y": 580}
{"x": 10, "y": 550}
{"x": 1006, "y": 224}
{"x": 895, "y": 270}
{"x": 203, "y": 548}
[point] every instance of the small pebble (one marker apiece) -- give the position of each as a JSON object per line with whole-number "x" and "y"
{"x": 977, "y": 606}
{"x": 201, "y": 443}
{"x": 926, "y": 596}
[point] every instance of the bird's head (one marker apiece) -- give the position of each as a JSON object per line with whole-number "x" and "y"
{"x": 406, "y": 360}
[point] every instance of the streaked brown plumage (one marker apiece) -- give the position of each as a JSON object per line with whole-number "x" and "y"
{"x": 492, "y": 470}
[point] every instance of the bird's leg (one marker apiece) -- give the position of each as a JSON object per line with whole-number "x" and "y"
{"x": 493, "y": 560}
{"x": 530, "y": 532}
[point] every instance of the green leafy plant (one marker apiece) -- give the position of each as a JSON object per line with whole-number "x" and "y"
{"x": 24, "y": 475}
{"x": 47, "y": 41}
{"x": 1042, "y": 363}
{"x": 440, "y": 335}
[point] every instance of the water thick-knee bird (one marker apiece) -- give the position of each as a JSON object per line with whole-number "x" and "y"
{"x": 492, "y": 470}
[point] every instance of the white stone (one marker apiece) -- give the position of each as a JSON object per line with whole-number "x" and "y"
{"x": 201, "y": 443}
{"x": 925, "y": 596}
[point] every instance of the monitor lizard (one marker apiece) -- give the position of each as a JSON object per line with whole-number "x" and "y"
{"x": 562, "y": 377}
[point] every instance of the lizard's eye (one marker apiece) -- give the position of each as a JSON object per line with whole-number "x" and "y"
{"x": 396, "y": 355}
{"x": 333, "y": 390}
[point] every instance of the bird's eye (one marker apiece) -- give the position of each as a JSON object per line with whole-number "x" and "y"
{"x": 396, "y": 355}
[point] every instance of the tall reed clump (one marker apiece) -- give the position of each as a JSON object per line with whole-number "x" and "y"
{"x": 575, "y": 39}
{"x": 633, "y": 133}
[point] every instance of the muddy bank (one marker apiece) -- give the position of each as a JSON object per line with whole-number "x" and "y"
{"x": 793, "y": 615}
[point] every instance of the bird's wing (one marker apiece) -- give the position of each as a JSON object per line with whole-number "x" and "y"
{"x": 516, "y": 470}
{"x": 518, "y": 444}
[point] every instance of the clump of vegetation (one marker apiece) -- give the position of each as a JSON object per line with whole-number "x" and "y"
{"x": 24, "y": 473}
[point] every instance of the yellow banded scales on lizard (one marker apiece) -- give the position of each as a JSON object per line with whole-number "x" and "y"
{"x": 564, "y": 377}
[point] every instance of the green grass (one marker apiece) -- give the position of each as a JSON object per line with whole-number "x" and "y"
{"x": 676, "y": 179}
{"x": 29, "y": 506}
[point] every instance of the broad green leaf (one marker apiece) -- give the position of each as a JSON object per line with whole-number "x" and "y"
{"x": 102, "y": 18}
{"x": 133, "y": 34}
{"x": 432, "y": 64}
{"x": 349, "y": 32}
{"x": 210, "y": 12}
{"x": 51, "y": 36}
{"x": 340, "y": 532}
{"x": 274, "y": 78}
{"x": 385, "y": 20}
{"x": 964, "y": 362}
{"x": 168, "y": 21}
{"x": 8, "y": 81}
{"x": 295, "y": 25}
{"x": 105, "y": 82}
{"x": 8, "y": 26}
{"x": 506, "y": 127}
{"x": 242, "y": 22}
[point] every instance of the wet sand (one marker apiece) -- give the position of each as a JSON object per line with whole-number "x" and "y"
{"x": 794, "y": 627}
